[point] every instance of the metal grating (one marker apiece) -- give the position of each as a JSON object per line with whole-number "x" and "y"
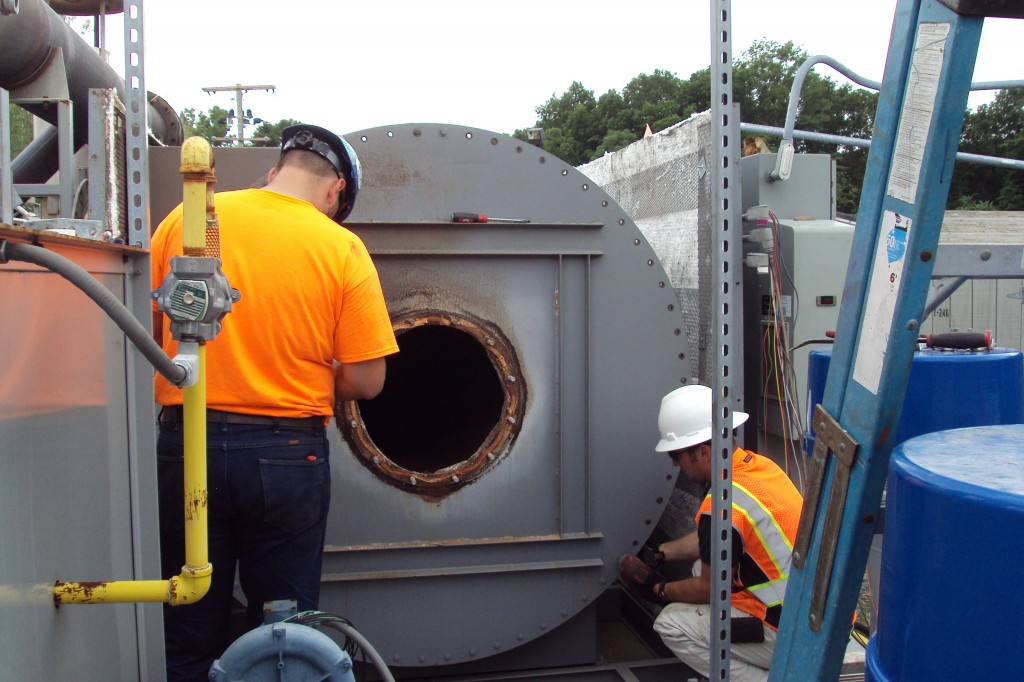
{"x": 663, "y": 183}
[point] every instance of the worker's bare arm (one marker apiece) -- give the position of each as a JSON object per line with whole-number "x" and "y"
{"x": 695, "y": 590}
{"x": 359, "y": 380}
{"x": 685, "y": 548}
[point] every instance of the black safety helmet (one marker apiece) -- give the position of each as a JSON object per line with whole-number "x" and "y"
{"x": 333, "y": 148}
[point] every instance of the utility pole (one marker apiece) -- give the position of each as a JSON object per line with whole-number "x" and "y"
{"x": 244, "y": 116}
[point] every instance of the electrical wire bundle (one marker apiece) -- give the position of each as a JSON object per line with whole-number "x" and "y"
{"x": 777, "y": 365}
{"x": 353, "y": 644}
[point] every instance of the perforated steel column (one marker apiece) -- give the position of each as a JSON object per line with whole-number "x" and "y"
{"x": 136, "y": 111}
{"x": 725, "y": 299}
{"x": 6, "y": 179}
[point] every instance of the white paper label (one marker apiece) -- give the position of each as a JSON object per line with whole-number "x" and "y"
{"x": 880, "y": 307}
{"x": 917, "y": 112}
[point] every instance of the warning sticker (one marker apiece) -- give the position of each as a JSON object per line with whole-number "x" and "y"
{"x": 880, "y": 307}
{"x": 917, "y": 112}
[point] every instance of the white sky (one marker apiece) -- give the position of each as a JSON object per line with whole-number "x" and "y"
{"x": 350, "y": 65}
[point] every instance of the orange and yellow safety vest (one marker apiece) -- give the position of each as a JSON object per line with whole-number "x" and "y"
{"x": 765, "y": 513}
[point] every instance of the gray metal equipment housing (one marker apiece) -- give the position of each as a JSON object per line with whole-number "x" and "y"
{"x": 481, "y": 501}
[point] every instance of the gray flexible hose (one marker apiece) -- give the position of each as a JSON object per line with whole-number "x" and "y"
{"x": 353, "y": 634}
{"x": 92, "y": 288}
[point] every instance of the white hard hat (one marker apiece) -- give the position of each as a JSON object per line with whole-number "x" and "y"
{"x": 685, "y": 418}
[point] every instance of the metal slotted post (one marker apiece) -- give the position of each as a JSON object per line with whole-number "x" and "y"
{"x": 726, "y": 299}
{"x": 137, "y": 126}
{"x": 139, "y": 384}
{"x": 6, "y": 180}
{"x": 917, "y": 128}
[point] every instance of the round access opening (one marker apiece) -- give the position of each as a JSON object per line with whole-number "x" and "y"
{"x": 451, "y": 407}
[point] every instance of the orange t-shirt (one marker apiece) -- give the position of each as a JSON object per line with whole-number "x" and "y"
{"x": 310, "y": 296}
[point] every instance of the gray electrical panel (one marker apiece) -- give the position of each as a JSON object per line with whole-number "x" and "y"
{"x": 808, "y": 194}
{"x": 812, "y": 257}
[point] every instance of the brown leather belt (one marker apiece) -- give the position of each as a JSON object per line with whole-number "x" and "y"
{"x": 173, "y": 414}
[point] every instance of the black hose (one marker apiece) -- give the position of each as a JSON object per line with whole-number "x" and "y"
{"x": 92, "y": 288}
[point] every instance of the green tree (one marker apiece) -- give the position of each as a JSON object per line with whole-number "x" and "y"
{"x": 612, "y": 113}
{"x": 21, "y": 129}
{"x": 762, "y": 78}
{"x": 211, "y": 125}
{"x": 614, "y": 141}
{"x": 572, "y": 129}
{"x": 579, "y": 127}
{"x": 271, "y": 132}
{"x": 653, "y": 100}
{"x": 217, "y": 126}
{"x": 994, "y": 129}
{"x": 695, "y": 95}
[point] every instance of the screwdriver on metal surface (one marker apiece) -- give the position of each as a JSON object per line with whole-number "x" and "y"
{"x": 482, "y": 218}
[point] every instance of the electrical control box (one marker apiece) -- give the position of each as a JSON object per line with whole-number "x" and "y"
{"x": 809, "y": 263}
{"x": 809, "y": 192}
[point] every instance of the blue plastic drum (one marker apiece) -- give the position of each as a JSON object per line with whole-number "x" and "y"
{"x": 952, "y": 584}
{"x": 946, "y": 390}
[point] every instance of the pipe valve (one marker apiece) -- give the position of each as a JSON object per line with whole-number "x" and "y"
{"x": 196, "y": 296}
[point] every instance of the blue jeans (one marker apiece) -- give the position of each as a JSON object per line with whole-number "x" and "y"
{"x": 269, "y": 492}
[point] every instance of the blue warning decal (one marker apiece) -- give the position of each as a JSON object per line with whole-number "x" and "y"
{"x": 896, "y": 240}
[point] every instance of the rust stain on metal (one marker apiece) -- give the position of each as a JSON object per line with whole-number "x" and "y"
{"x": 194, "y": 502}
{"x": 394, "y": 172}
{"x": 80, "y": 592}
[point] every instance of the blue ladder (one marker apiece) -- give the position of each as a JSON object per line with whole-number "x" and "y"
{"x": 920, "y": 115}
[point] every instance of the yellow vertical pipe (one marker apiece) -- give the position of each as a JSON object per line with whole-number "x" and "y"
{"x": 196, "y": 493}
{"x": 197, "y": 203}
{"x": 197, "y": 194}
{"x": 194, "y": 581}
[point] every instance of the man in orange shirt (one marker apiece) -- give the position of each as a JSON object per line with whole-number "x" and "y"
{"x": 310, "y": 329}
{"x": 765, "y": 515}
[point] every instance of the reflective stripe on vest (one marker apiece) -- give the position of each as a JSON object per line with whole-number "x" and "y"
{"x": 773, "y": 540}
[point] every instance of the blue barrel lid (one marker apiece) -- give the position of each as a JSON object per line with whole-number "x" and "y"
{"x": 976, "y": 459}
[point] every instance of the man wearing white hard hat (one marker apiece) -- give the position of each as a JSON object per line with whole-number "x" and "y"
{"x": 765, "y": 514}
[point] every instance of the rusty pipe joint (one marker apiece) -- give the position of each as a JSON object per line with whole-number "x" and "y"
{"x": 190, "y": 585}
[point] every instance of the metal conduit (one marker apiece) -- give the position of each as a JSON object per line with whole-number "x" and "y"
{"x": 828, "y": 138}
{"x": 781, "y": 171}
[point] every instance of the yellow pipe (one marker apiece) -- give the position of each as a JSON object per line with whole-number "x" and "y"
{"x": 196, "y": 492}
{"x": 112, "y": 592}
{"x": 197, "y": 171}
{"x": 197, "y": 204}
{"x": 194, "y": 580}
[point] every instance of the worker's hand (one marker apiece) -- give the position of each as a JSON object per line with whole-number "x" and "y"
{"x": 633, "y": 571}
{"x": 652, "y": 557}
